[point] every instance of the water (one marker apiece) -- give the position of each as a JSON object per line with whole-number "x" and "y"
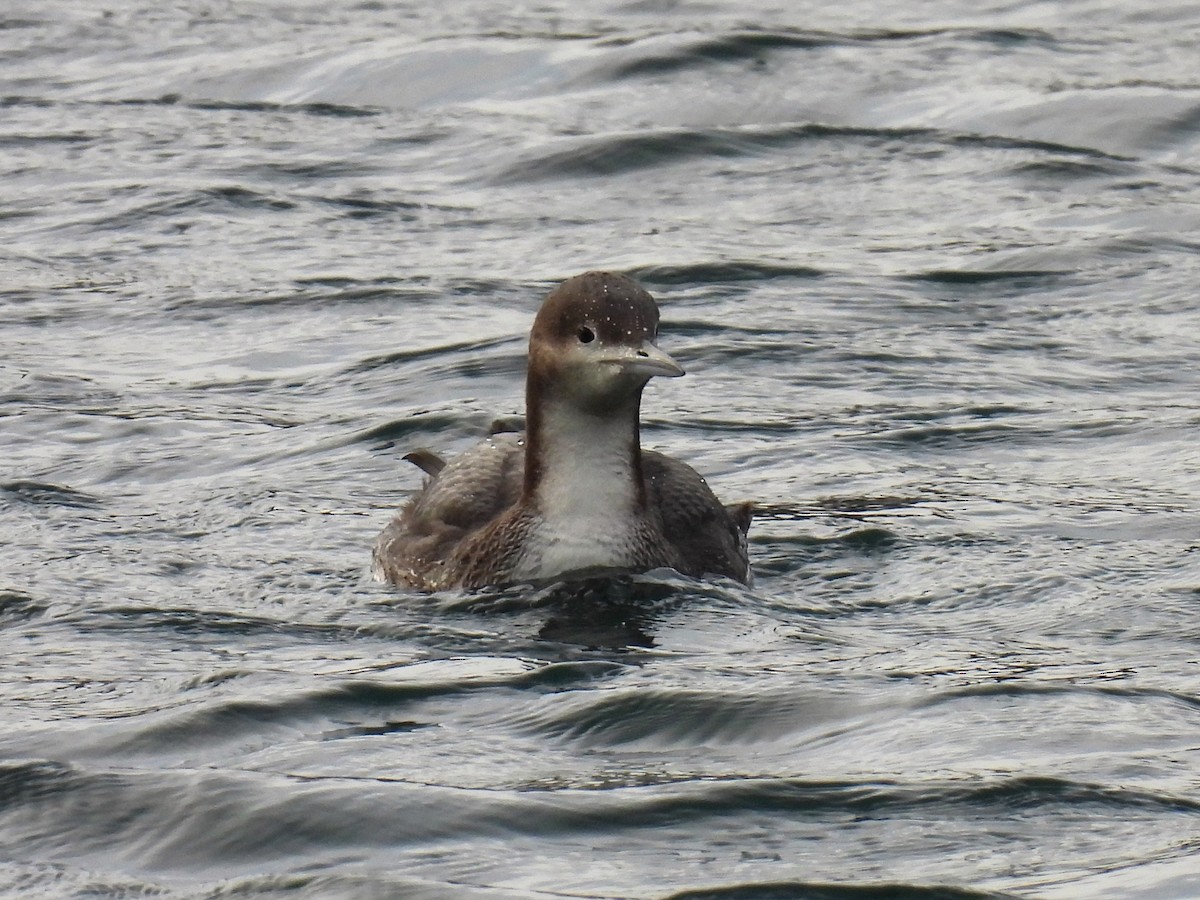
{"x": 933, "y": 274}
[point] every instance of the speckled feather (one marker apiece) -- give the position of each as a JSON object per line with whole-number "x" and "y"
{"x": 466, "y": 528}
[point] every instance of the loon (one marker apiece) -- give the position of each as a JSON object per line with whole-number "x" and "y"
{"x": 575, "y": 495}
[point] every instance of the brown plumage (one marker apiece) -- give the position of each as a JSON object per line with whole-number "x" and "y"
{"x": 574, "y": 493}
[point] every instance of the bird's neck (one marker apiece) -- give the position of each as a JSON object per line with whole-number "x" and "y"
{"x": 583, "y": 468}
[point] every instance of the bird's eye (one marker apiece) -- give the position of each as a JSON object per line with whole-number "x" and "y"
{"x": 586, "y": 335}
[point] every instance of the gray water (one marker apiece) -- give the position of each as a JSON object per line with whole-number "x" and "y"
{"x": 933, "y": 273}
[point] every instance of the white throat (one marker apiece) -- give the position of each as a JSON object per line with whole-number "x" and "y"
{"x": 587, "y": 493}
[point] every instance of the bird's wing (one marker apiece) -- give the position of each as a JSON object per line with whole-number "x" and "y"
{"x": 462, "y": 496}
{"x": 710, "y": 538}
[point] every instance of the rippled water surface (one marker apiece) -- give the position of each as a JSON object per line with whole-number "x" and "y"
{"x": 933, "y": 272}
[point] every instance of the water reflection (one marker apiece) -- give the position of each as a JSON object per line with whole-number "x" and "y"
{"x": 605, "y": 613}
{"x": 602, "y": 611}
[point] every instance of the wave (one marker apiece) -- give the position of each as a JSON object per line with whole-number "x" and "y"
{"x": 626, "y": 152}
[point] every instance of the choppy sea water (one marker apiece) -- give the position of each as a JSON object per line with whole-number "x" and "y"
{"x": 933, "y": 272}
